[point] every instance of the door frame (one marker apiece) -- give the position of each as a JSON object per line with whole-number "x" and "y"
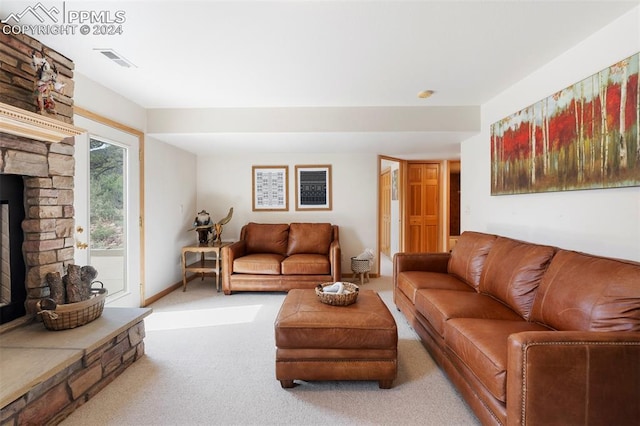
{"x": 401, "y": 185}
{"x": 445, "y": 167}
{"x": 451, "y": 166}
{"x": 140, "y": 136}
{"x": 381, "y": 205}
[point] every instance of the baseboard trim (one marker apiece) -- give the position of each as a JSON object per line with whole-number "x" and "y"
{"x": 166, "y": 291}
{"x": 177, "y": 285}
{"x": 371, "y": 275}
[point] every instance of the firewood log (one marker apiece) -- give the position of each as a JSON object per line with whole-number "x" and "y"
{"x": 56, "y": 287}
{"x": 73, "y": 284}
{"x": 87, "y": 275}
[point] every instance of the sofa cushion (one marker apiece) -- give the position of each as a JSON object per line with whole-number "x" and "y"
{"x": 581, "y": 292}
{"x": 409, "y": 282}
{"x": 267, "y": 238}
{"x": 258, "y": 263}
{"x": 512, "y": 272}
{"x": 438, "y": 306}
{"x": 468, "y": 256}
{"x": 481, "y": 344}
{"x": 306, "y": 264}
{"x": 312, "y": 238}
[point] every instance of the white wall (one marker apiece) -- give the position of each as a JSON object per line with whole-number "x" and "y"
{"x": 605, "y": 222}
{"x": 170, "y": 202}
{"x": 226, "y": 181}
{"x": 96, "y": 98}
{"x": 170, "y": 186}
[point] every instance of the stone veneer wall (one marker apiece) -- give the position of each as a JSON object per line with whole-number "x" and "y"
{"x": 53, "y": 400}
{"x": 48, "y": 168}
{"x": 48, "y": 227}
{"x": 18, "y": 78}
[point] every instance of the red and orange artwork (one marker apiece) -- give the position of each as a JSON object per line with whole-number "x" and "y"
{"x": 585, "y": 136}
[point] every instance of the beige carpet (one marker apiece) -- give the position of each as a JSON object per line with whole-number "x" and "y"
{"x": 210, "y": 359}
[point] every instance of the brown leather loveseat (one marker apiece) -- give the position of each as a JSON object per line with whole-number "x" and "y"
{"x": 279, "y": 257}
{"x": 529, "y": 334}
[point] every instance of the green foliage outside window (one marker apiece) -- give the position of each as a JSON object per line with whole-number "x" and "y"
{"x": 107, "y": 195}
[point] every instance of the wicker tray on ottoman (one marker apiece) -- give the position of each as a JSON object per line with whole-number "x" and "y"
{"x": 349, "y": 296}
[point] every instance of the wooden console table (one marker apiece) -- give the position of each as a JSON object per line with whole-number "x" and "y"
{"x": 204, "y": 265}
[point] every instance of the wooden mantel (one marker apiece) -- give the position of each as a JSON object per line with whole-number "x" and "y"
{"x": 19, "y": 122}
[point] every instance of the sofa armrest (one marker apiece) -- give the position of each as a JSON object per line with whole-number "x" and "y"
{"x": 428, "y": 262}
{"x": 573, "y": 377}
{"x": 229, "y": 254}
{"x": 335, "y": 260}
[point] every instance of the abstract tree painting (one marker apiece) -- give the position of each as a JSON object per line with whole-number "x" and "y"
{"x": 585, "y": 136}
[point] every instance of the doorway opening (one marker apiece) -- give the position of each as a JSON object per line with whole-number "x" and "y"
{"x": 390, "y": 233}
{"x": 454, "y": 203}
{"x": 418, "y": 207}
{"x": 109, "y": 206}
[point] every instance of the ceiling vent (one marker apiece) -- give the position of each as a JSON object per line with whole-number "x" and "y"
{"x": 116, "y": 57}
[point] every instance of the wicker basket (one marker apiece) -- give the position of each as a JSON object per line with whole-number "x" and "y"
{"x": 360, "y": 266}
{"x": 349, "y": 296}
{"x": 72, "y": 315}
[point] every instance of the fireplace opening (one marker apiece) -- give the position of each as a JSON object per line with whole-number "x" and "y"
{"x": 13, "y": 291}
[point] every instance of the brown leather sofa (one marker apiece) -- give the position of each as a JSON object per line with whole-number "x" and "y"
{"x": 279, "y": 257}
{"x": 529, "y": 334}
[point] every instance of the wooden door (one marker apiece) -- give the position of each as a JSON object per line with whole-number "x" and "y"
{"x": 423, "y": 188}
{"x": 454, "y": 204}
{"x": 385, "y": 212}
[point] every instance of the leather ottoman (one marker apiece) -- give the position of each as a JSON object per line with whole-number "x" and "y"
{"x": 316, "y": 341}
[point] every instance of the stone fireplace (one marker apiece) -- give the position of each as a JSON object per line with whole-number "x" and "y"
{"x": 47, "y": 170}
{"x": 46, "y": 374}
{"x": 37, "y": 143}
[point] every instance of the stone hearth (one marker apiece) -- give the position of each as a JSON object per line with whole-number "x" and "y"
{"x": 46, "y": 374}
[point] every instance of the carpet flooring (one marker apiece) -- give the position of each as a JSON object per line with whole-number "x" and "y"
{"x": 210, "y": 360}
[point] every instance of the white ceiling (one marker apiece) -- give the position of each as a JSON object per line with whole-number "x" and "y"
{"x": 274, "y": 54}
